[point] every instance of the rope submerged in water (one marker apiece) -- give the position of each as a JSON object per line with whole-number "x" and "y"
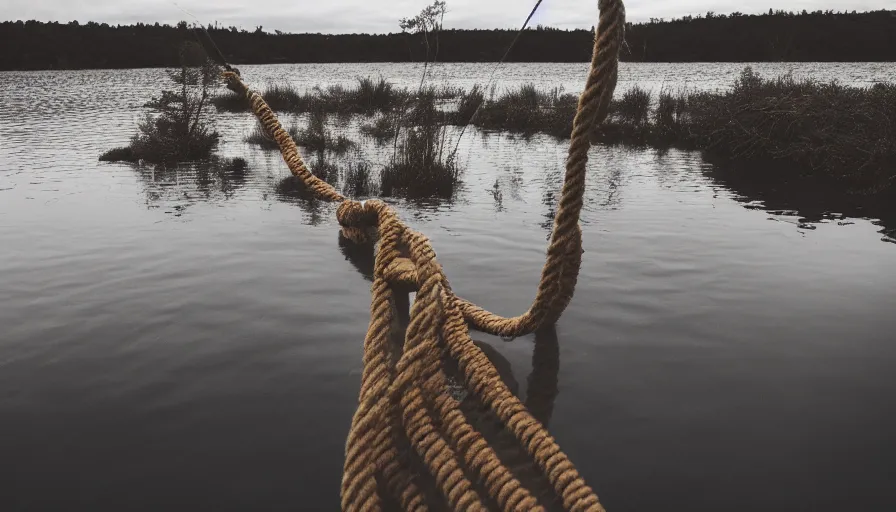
{"x": 403, "y": 405}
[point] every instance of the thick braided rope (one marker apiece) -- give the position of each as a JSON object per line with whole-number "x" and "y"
{"x": 408, "y": 397}
{"x": 430, "y": 306}
{"x": 561, "y": 266}
{"x": 559, "y": 274}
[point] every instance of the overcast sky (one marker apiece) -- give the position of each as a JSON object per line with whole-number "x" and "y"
{"x": 345, "y": 16}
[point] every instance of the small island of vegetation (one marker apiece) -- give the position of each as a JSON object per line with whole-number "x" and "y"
{"x": 843, "y": 135}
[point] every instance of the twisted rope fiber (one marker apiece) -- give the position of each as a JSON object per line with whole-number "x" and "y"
{"x": 407, "y": 398}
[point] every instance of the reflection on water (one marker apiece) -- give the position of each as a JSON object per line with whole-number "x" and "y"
{"x": 359, "y": 253}
{"x": 719, "y": 354}
{"x": 803, "y": 201}
{"x": 542, "y": 385}
{"x": 542, "y": 388}
{"x": 178, "y": 186}
{"x": 291, "y": 190}
{"x": 553, "y": 179}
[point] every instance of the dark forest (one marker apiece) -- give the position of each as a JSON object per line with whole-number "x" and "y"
{"x": 775, "y": 36}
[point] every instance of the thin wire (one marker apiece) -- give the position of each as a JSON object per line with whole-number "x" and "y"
{"x": 518, "y": 34}
{"x": 208, "y": 36}
{"x": 492, "y": 75}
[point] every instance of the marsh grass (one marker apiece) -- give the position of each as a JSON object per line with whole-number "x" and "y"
{"x": 524, "y": 110}
{"x": 670, "y": 113}
{"x": 421, "y": 164}
{"x": 840, "y": 133}
{"x": 468, "y": 103}
{"x": 844, "y": 133}
{"x": 371, "y": 96}
{"x": 383, "y": 128}
{"x": 633, "y": 108}
{"x": 359, "y": 179}
{"x": 367, "y": 97}
{"x": 318, "y": 138}
{"x": 517, "y": 110}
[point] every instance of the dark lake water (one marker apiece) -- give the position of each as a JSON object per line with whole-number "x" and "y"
{"x": 187, "y": 340}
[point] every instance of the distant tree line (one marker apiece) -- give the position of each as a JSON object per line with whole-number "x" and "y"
{"x": 775, "y": 36}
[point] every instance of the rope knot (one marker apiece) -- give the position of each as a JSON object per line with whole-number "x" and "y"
{"x": 358, "y": 214}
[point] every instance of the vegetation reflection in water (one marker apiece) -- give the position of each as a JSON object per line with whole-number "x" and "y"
{"x": 804, "y": 202}
{"x": 759, "y": 124}
{"x": 842, "y": 169}
{"x": 178, "y": 186}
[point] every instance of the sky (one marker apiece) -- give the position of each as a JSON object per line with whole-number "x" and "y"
{"x": 381, "y": 16}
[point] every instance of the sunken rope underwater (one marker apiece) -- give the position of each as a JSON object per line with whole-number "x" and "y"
{"x": 404, "y": 405}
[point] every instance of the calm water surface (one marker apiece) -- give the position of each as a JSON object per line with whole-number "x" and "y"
{"x": 191, "y": 340}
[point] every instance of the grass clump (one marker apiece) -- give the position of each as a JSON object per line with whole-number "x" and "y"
{"x": 382, "y": 129}
{"x": 628, "y": 119}
{"x": 358, "y": 179}
{"x": 450, "y": 92}
{"x": 325, "y": 169}
{"x": 518, "y": 110}
{"x": 845, "y": 133}
{"x": 558, "y": 113}
{"x": 424, "y": 109}
{"x": 315, "y": 136}
{"x": 670, "y": 114}
{"x": 164, "y": 139}
{"x": 280, "y": 97}
{"x": 237, "y": 165}
{"x": 375, "y": 96}
{"x": 230, "y": 102}
{"x": 318, "y": 138}
{"x": 421, "y": 165}
{"x": 285, "y": 98}
{"x": 633, "y": 108}
{"x": 367, "y": 97}
{"x": 178, "y": 126}
{"x": 468, "y": 103}
{"x": 524, "y": 110}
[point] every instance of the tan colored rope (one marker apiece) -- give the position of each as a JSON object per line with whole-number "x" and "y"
{"x": 404, "y": 405}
